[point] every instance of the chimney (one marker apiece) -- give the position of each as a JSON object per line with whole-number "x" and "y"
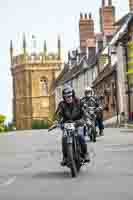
{"x": 86, "y": 31}
{"x": 107, "y": 18}
{"x": 91, "y": 53}
{"x": 103, "y": 3}
{"x": 131, "y": 5}
{"x": 91, "y": 41}
{"x": 110, "y": 2}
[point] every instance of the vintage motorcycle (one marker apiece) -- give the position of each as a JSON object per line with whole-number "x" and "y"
{"x": 75, "y": 157}
{"x": 89, "y": 115}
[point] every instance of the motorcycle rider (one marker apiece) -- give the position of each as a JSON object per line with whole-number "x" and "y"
{"x": 70, "y": 109}
{"x": 92, "y": 100}
{"x": 99, "y": 117}
{"x": 89, "y": 97}
{"x": 74, "y": 96}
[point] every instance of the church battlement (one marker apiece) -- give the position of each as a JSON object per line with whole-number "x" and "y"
{"x": 43, "y": 57}
{"x": 39, "y": 58}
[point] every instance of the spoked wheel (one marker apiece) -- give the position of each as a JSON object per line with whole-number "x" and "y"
{"x": 72, "y": 161}
{"x": 94, "y": 135}
{"x": 91, "y": 134}
{"x": 91, "y": 137}
{"x": 78, "y": 165}
{"x": 78, "y": 160}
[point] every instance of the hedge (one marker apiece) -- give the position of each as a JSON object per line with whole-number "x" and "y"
{"x": 40, "y": 124}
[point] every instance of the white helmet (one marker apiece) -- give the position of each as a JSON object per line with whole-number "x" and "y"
{"x": 88, "y": 91}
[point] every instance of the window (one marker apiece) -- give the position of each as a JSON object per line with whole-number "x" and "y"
{"x": 88, "y": 81}
{"x": 100, "y": 45}
{"x": 93, "y": 75}
{"x": 59, "y": 93}
{"x": 44, "y": 86}
{"x": 76, "y": 83}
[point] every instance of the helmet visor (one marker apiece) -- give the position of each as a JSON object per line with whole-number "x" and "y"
{"x": 88, "y": 92}
{"x": 67, "y": 94}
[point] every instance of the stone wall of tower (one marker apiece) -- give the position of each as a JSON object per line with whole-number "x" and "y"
{"x": 107, "y": 18}
{"x": 22, "y": 99}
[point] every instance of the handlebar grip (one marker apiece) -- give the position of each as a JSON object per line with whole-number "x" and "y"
{"x": 52, "y": 127}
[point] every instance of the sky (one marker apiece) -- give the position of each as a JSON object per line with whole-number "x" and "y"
{"x": 46, "y": 19}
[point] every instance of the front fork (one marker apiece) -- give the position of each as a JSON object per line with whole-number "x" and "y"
{"x": 91, "y": 132}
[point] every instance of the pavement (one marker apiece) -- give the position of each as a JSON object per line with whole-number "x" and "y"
{"x": 112, "y": 123}
{"x": 30, "y": 167}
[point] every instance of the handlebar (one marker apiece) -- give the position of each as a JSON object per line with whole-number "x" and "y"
{"x": 54, "y": 126}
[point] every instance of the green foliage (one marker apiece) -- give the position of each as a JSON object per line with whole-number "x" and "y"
{"x": 6, "y": 129}
{"x": 2, "y": 118}
{"x": 9, "y": 127}
{"x": 1, "y": 129}
{"x": 3, "y": 126}
{"x": 40, "y": 124}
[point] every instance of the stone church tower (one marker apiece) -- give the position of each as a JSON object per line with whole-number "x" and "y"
{"x": 33, "y": 77}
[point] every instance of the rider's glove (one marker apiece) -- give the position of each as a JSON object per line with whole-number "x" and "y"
{"x": 80, "y": 122}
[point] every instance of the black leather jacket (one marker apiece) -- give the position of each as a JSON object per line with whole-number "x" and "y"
{"x": 71, "y": 111}
{"x": 91, "y": 101}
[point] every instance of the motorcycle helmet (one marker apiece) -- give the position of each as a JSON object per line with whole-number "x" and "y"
{"x": 67, "y": 91}
{"x": 88, "y": 91}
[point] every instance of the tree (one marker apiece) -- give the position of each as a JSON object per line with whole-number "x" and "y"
{"x": 2, "y": 119}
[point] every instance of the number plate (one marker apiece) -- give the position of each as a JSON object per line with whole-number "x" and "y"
{"x": 69, "y": 126}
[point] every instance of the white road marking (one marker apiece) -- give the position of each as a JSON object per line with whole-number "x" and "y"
{"x": 8, "y": 182}
{"x": 119, "y": 149}
{"x": 7, "y": 134}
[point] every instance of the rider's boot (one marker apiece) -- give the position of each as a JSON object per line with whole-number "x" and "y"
{"x": 64, "y": 161}
{"x": 101, "y": 132}
{"x": 85, "y": 152}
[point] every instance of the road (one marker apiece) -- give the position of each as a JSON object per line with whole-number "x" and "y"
{"x": 30, "y": 167}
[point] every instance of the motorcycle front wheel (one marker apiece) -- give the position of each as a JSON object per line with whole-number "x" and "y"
{"x": 71, "y": 160}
